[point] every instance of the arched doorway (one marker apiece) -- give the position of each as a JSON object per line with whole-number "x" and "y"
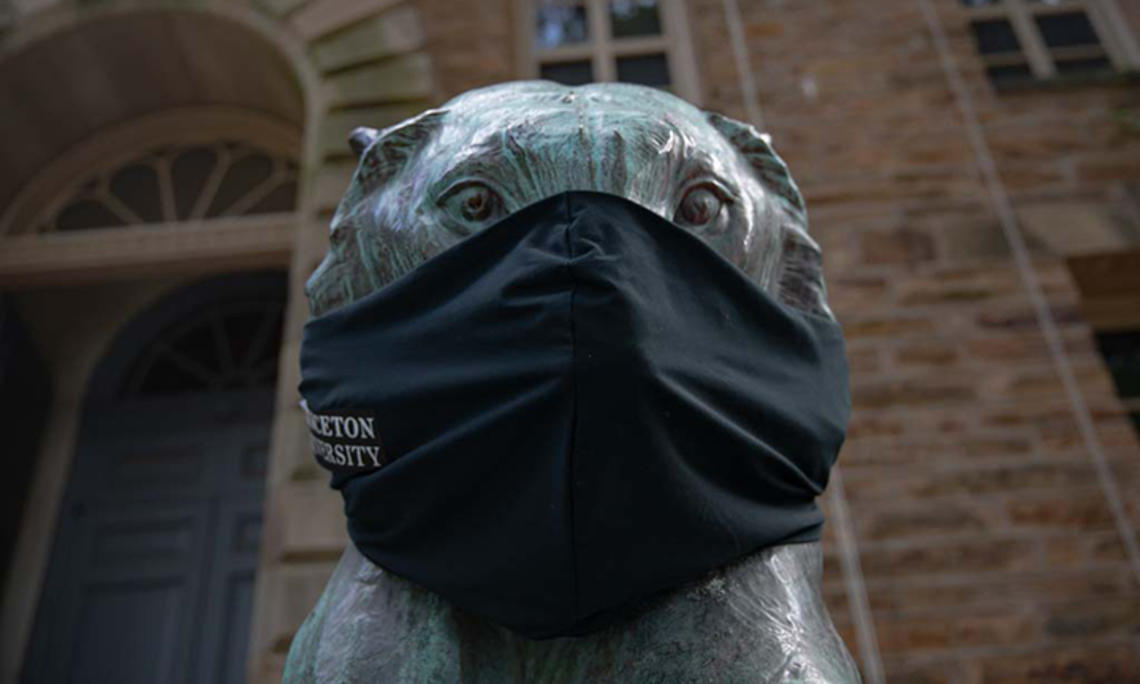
{"x": 152, "y": 144}
{"x": 151, "y": 575}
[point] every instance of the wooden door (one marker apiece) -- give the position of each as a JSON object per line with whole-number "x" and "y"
{"x": 152, "y": 573}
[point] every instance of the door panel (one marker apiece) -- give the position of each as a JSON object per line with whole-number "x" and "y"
{"x": 152, "y": 569}
{"x": 130, "y": 593}
{"x": 128, "y": 631}
{"x": 229, "y": 598}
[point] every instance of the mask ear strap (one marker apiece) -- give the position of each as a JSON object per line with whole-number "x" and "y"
{"x": 800, "y": 275}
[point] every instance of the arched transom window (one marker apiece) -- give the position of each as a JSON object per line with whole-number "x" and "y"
{"x": 179, "y": 183}
{"x": 179, "y": 166}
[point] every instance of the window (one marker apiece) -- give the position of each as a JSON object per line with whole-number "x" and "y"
{"x": 1109, "y": 285}
{"x": 1023, "y": 41}
{"x": 1121, "y": 352}
{"x": 584, "y": 41}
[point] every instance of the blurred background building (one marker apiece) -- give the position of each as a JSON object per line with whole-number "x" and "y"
{"x": 168, "y": 169}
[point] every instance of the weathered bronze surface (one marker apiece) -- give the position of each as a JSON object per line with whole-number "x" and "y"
{"x": 424, "y": 184}
{"x": 428, "y": 182}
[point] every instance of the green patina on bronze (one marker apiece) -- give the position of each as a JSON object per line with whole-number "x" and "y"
{"x": 426, "y": 183}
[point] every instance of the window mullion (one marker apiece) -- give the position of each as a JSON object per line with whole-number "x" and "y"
{"x": 599, "y": 18}
{"x": 1021, "y": 18}
{"x": 1114, "y": 34}
{"x": 527, "y": 52}
{"x": 639, "y": 46}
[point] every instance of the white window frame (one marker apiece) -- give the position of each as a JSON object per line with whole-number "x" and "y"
{"x": 1117, "y": 42}
{"x": 603, "y": 50}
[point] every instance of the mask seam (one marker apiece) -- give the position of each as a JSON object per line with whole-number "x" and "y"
{"x": 577, "y": 604}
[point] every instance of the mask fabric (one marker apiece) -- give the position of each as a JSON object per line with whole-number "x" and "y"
{"x": 577, "y": 408}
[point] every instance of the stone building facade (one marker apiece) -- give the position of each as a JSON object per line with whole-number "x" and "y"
{"x": 972, "y": 171}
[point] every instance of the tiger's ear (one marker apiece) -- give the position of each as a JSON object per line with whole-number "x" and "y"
{"x": 361, "y": 138}
{"x": 382, "y": 154}
{"x": 800, "y": 274}
{"x": 347, "y": 273}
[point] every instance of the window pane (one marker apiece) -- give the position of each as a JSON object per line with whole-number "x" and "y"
{"x": 137, "y": 187}
{"x": 1010, "y": 74}
{"x": 995, "y": 36}
{"x": 560, "y": 23}
{"x": 568, "y": 73}
{"x": 651, "y": 70}
{"x": 240, "y": 179}
{"x": 1071, "y": 28}
{"x": 189, "y": 173}
{"x": 979, "y": 3}
{"x": 1121, "y": 352}
{"x": 1088, "y": 65}
{"x": 86, "y": 214}
{"x": 634, "y": 18}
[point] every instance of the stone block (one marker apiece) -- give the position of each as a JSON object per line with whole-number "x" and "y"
{"x": 958, "y": 286}
{"x": 927, "y": 353}
{"x": 279, "y": 7}
{"x": 334, "y": 130}
{"x": 1077, "y": 510}
{"x": 991, "y": 448}
{"x": 862, "y": 425}
{"x": 847, "y": 292}
{"x": 898, "y": 633}
{"x": 1071, "y": 229}
{"x": 313, "y": 524}
{"x": 972, "y": 240}
{"x": 321, "y": 17}
{"x": 1116, "y": 617}
{"x": 935, "y": 593}
{"x": 1107, "y": 166}
{"x": 912, "y": 392}
{"x": 293, "y": 456}
{"x": 1022, "y": 317}
{"x": 300, "y": 587}
{"x": 270, "y": 669}
{"x": 992, "y": 555}
{"x": 989, "y": 627}
{"x": 395, "y": 79}
{"x": 332, "y": 180}
{"x": 1087, "y": 663}
{"x": 863, "y": 361}
{"x": 393, "y": 32}
{"x": 1018, "y": 347}
{"x": 937, "y": 671}
{"x": 899, "y": 246}
{"x": 886, "y": 327}
{"x": 919, "y": 520}
{"x": 1057, "y": 476}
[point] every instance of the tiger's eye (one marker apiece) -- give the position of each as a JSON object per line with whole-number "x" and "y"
{"x": 471, "y": 206}
{"x": 699, "y": 206}
{"x": 475, "y": 203}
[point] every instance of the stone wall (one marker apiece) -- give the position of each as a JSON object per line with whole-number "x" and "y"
{"x": 986, "y": 541}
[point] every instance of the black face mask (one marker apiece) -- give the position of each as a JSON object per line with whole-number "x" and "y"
{"x": 570, "y": 411}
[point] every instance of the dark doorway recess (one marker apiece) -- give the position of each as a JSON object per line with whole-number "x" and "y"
{"x": 152, "y": 569}
{"x": 25, "y": 390}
